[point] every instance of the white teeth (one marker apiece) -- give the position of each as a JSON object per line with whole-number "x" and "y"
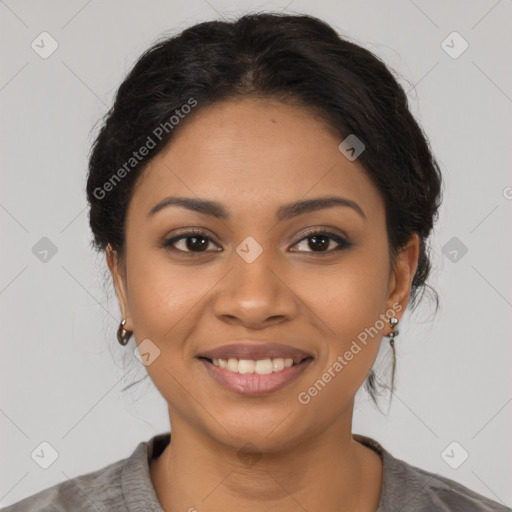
{"x": 232, "y": 365}
{"x": 248, "y": 366}
{"x": 277, "y": 364}
{"x": 263, "y": 367}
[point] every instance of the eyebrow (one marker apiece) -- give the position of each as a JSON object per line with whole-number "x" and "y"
{"x": 284, "y": 212}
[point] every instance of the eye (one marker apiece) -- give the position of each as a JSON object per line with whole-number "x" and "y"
{"x": 320, "y": 241}
{"x": 191, "y": 241}
{"x": 197, "y": 241}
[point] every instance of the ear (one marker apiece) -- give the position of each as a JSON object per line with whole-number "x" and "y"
{"x": 118, "y": 278}
{"x": 403, "y": 273}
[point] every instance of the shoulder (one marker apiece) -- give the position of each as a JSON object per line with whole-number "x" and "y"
{"x": 99, "y": 490}
{"x": 407, "y": 487}
{"x": 120, "y": 486}
{"x": 426, "y": 491}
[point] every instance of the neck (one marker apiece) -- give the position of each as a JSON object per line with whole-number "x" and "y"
{"x": 330, "y": 472}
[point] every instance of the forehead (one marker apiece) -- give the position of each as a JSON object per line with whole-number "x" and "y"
{"x": 252, "y": 153}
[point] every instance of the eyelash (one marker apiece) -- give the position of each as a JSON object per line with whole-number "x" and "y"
{"x": 194, "y": 233}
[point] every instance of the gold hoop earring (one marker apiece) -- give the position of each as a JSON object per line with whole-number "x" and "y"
{"x": 123, "y": 336}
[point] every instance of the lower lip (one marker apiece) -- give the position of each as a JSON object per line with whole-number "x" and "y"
{"x": 253, "y": 384}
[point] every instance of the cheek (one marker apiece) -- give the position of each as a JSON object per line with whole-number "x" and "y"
{"x": 161, "y": 295}
{"x": 352, "y": 303}
{"x": 358, "y": 287}
{"x": 163, "y": 299}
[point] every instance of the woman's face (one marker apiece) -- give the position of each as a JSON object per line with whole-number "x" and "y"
{"x": 256, "y": 275}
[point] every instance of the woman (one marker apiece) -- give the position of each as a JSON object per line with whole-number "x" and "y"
{"x": 264, "y": 199}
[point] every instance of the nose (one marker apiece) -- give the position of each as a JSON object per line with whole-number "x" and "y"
{"x": 255, "y": 295}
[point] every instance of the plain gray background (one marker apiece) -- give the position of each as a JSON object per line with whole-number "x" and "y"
{"x": 62, "y": 371}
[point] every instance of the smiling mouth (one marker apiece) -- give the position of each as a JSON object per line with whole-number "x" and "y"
{"x": 264, "y": 366}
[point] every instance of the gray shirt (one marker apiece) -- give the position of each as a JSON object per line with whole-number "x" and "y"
{"x": 126, "y": 485}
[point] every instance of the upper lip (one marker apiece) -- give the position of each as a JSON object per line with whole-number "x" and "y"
{"x": 256, "y": 351}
